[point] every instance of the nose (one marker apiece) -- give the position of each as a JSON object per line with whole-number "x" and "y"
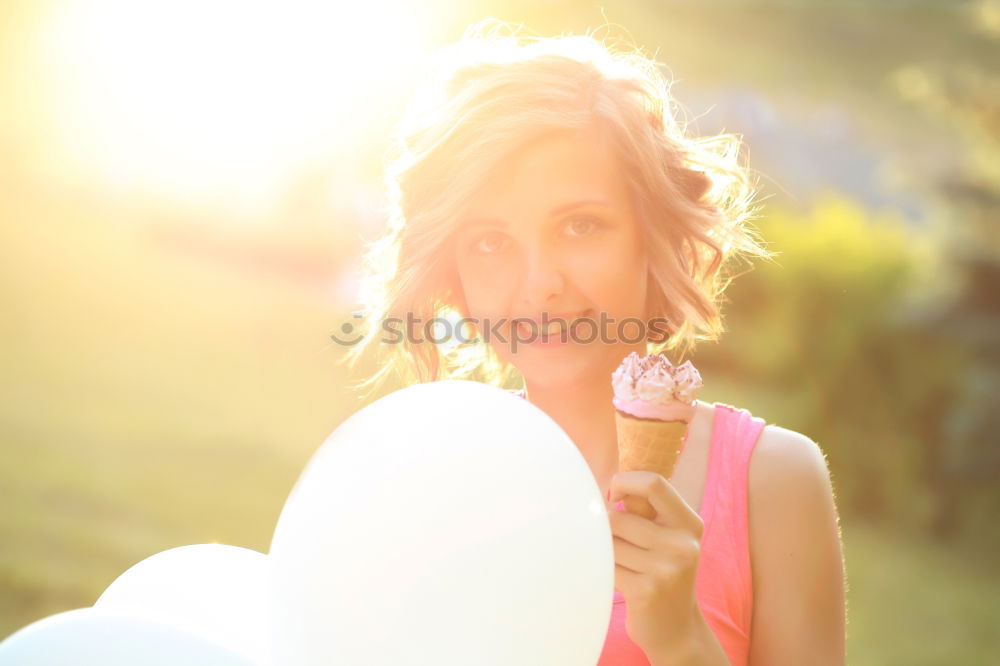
{"x": 543, "y": 278}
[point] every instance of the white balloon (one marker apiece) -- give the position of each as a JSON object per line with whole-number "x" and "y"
{"x": 214, "y": 590}
{"x": 103, "y": 637}
{"x": 448, "y": 523}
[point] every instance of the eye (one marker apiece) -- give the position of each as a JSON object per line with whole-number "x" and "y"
{"x": 490, "y": 243}
{"x": 581, "y": 226}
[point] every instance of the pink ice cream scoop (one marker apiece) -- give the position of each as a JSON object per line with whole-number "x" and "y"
{"x": 653, "y": 388}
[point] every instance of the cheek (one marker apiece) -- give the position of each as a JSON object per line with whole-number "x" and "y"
{"x": 485, "y": 295}
{"x": 614, "y": 278}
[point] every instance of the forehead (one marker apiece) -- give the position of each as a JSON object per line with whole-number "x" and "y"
{"x": 559, "y": 167}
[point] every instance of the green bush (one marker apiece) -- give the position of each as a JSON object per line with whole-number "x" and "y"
{"x": 828, "y": 338}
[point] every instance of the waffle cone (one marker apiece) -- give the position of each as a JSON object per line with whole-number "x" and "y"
{"x": 648, "y": 445}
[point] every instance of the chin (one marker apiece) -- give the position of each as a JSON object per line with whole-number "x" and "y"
{"x": 565, "y": 371}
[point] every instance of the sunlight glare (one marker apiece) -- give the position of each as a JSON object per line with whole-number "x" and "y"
{"x": 198, "y": 98}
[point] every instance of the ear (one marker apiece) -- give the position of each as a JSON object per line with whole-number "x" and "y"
{"x": 694, "y": 184}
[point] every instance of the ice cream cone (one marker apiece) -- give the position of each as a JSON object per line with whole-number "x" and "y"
{"x": 650, "y": 445}
{"x": 654, "y": 403}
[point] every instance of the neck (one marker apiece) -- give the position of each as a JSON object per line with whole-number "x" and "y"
{"x": 585, "y": 412}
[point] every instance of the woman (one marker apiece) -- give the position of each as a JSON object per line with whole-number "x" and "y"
{"x": 548, "y": 178}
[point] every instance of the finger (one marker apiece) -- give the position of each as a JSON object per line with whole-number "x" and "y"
{"x": 627, "y": 582}
{"x": 671, "y": 509}
{"x": 632, "y": 557}
{"x": 655, "y": 544}
{"x": 634, "y": 529}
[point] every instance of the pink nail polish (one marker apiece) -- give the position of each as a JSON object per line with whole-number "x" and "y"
{"x": 620, "y": 506}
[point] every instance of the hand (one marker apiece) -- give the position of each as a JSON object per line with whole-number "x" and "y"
{"x": 656, "y": 562}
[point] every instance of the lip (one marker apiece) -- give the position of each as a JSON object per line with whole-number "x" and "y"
{"x": 556, "y": 339}
{"x": 559, "y": 315}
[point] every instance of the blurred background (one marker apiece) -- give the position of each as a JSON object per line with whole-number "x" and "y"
{"x": 185, "y": 189}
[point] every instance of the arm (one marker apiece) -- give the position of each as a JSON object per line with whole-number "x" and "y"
{"x": 795, "y": 554}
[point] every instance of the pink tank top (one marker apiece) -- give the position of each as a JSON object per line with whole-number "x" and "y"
{"x": 723, "y": 585}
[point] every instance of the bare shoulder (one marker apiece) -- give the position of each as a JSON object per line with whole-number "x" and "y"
{"x": 790, "y": 493}
{"x": 784, "y": 457}
{"x": 795, "y": 553}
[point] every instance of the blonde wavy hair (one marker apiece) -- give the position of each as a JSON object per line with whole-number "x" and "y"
{"x": 495, "y": 90}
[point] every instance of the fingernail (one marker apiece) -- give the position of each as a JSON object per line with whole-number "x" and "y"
{"x": 620, "y": 506}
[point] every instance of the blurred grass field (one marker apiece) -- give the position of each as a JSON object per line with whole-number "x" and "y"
{"x": 150, "y": 399}
{"x": 180, "y": 405}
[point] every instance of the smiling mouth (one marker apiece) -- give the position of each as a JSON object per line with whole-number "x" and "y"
{"x": 557, "y": 331}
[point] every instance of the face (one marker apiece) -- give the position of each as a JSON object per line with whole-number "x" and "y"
{"x": 554, "y": 231}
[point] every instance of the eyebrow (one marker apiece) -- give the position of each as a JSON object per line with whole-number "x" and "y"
{"x": 482, "y": 221}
